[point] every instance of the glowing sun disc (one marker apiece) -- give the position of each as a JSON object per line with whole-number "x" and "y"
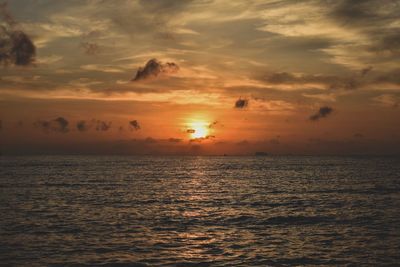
{"x": 200, "y": 129}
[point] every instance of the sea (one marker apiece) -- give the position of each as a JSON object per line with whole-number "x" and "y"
{"x": 199, "y": 211}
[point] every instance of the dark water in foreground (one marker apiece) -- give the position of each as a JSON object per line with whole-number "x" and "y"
{"x": 199, "y": 211}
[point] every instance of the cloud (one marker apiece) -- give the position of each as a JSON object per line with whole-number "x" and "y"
{"x": 154, "y": 68}
{"x": 390, "y": 42}
{"x": 1, "y": 125}
{"x": 285, "y": 77}
{"x": 134, "y": 125}
{"x": 191, "y": 131}
{"x": 59, "y": 125}
{"x": 366, "y": 70}
{"x": 346, "y": 84}
{"x": 353, "y": 11}
{"x": 16, "y": 47}
{"x": 213, "y": 124}
{"x": 63, "y": 124}
{"x": 83, "y": 126}
{"x": 102, "y": 126}
{"x": 241, "y": 103}
{"x": 90, "y": 48}
{"x": 388, "y": 100}
{"x": 389, "y": 77}
{"x": 98, "y": 125}
{"x": 376, "y": 20}
{"x": 322, "y": 113}
{"x": 329, "y": 81}
{"x": 200, "y": 139}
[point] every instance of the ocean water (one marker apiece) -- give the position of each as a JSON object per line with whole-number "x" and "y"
{"x": 199, "y": 211}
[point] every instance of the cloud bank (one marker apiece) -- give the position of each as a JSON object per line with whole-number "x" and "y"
{"x": 59, "y": 125}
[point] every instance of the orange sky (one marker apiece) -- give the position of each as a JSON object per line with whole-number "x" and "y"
{"x": 199, "y": 77}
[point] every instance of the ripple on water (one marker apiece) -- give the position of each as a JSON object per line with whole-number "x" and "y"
{"x": 199, "y": 211}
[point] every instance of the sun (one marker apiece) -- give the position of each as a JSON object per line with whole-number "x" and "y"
{"x": 198, "y": 129}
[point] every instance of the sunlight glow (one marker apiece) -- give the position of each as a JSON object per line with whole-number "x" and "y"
{"x": 201, "y": 129}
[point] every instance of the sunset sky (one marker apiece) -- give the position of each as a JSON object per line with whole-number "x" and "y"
{"x": 204, "y": 77}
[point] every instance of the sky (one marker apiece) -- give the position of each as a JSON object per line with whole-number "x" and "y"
{"x": 201, "y": 77}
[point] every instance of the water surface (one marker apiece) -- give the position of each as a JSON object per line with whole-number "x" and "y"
{"x": 199, "y": 211}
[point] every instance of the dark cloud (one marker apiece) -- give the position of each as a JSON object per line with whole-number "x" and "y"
{"x": 366, "y": 70}
{"x": 200, "y": 139}
{"x": 213, "y": 124}
{"x": 1, "y": 125}
{"x": 372, "y": 18}
{"x": 153, "y": 68}
{"x": 190, "y": 131}
{"x": 63, "y": 123}
{"x": 83, "y": 126}
{"x": 241, "y": 103}
{"x": 102, "y": 126}
{"x": 322, "y": 113}
{"x": 354, "y": 12}
{"x": 134, "y": 125}
{"x": 59, "y": 124}
{"x": 90, "y": 48}
{"x": 15, "y": 46}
